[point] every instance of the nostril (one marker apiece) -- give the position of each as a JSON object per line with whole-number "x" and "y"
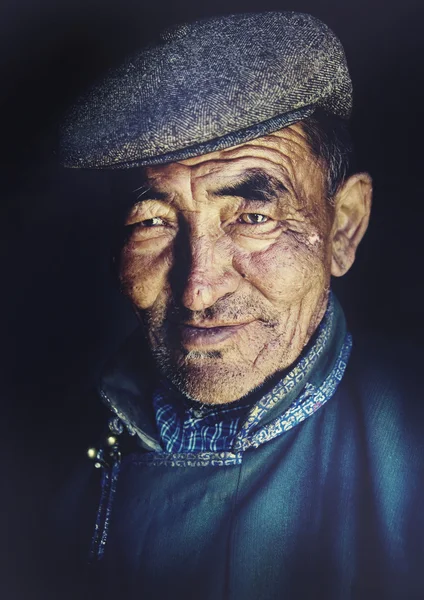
{"x": 198, "y": 295}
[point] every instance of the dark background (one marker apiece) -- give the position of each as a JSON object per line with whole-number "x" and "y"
{"x": 61, "y": 314}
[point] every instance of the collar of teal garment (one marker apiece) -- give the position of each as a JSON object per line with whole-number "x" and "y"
{"x": 128, "y": 390}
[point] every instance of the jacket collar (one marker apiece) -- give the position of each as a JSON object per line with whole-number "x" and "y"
{"x": 127, "y": 389}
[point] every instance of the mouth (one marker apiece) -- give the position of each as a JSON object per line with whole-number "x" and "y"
{"x": 207, "y": 336}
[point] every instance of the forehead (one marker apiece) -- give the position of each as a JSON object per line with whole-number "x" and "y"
{"x": 285, "y": 154}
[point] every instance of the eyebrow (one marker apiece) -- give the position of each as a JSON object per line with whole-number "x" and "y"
{"x": 256, "y": 185}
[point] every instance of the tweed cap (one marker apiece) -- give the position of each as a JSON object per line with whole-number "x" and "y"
{"x": 206, "y": 86}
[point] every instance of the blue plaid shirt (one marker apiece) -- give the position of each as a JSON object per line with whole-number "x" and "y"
{"x": 186, "y": 427}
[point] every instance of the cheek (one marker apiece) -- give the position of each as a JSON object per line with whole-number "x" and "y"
{"x": 144, "y": 276}
{"x": 289, "y": 268}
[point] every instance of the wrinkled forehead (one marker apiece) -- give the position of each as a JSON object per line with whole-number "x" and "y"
{"x": 284, "y": 156}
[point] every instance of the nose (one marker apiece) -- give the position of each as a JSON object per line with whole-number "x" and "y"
{"x": 209, "y": 275}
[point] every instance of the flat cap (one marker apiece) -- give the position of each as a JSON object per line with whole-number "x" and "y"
{"x": 206, "y": 86}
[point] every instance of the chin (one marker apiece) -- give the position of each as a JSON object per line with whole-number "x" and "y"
{"x": 213, "y": 383}
{"x": 213, "y": 392}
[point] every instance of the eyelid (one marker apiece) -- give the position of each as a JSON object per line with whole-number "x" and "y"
{"x": 149, "y": 209}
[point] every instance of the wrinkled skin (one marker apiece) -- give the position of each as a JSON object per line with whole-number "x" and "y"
{"x": 203, "y": 253}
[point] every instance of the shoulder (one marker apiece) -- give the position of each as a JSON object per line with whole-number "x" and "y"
{"x": 386, "y": 367}
{"x": 384, "y": 377}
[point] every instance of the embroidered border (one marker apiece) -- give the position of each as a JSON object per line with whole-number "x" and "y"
{"x": 110, "y": 474}
{"x": 292, "y": 378}
{"x": 193, "y": 459}
{"x": 306, "y": 405}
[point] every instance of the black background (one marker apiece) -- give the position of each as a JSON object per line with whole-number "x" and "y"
{"x": 61, "y": 313}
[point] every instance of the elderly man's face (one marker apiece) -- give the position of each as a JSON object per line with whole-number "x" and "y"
{"x": 228, "y": 263}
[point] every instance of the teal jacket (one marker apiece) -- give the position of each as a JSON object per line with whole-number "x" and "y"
{"x": 331, "y": 507}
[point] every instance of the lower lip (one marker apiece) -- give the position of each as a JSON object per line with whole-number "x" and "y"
{"x": 197, "y": 337}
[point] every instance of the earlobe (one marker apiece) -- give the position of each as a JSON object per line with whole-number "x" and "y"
{"x": 351, "y": 217}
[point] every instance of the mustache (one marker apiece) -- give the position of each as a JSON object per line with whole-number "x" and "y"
{"x": 225, "y": 310}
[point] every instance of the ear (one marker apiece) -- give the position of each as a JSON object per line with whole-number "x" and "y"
{"x": 351, "y": 216}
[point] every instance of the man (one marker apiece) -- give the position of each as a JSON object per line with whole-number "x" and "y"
{"x": 265, "y": 458}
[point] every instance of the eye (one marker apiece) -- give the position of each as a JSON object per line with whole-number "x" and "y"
{"x": 154, "y": 222}
{"x": 253, "y": 218}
